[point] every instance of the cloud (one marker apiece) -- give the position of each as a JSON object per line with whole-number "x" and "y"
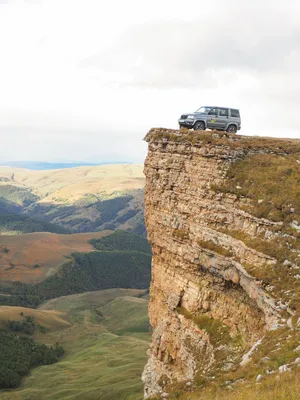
{"x": 171, "y": 54}
{"x": 28, "y": 143}
{"x": 80, "y": 79}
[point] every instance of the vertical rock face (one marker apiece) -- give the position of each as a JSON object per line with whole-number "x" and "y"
{"x": 205, "y": 308}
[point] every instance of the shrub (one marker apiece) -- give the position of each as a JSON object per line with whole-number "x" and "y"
{"x": 210, "y": 245}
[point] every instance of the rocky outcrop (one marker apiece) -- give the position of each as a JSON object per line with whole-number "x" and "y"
{"x": 205, "y": 309}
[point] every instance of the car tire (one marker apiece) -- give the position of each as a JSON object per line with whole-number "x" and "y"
{"x": 199, "y": 126}
{"x": 231, "y": 129}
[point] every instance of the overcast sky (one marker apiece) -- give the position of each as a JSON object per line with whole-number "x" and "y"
{"x": 86, "y": 79}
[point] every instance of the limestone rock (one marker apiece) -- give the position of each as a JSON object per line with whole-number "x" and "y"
{"x": 193, "y": 283}
{"x": 284, "y": 368}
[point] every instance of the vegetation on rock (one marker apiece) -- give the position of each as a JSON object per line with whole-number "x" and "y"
{"x": 272, "y": 183}
{"x": 225, "y": 140}
{"x": 210, "y": 195}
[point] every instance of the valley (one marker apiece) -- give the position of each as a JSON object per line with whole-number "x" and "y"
{"x": 69, "y": 277}
{"x": 32, "y": 257}
{"x": 110, "y": 260}
{"x": 80, "y": 199}
{"x": 105, "y": 335}
{"x": 224, "y": 294}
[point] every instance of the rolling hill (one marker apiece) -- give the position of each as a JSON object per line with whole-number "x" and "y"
{"x": 81, "y": 199}
{"x": 59, "y": 237}
{"x": 32, "y": 257}
{"x": 52, "y": 320}
{"x": 105, "y": 349}
{"x": 16, "y": 224}
{"x": 60, "y": 271}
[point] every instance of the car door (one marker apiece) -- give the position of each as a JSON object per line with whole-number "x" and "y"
{"x": 212, "y": 118}
{"x": 222, "y": 119}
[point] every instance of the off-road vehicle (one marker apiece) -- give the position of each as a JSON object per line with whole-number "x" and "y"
{"x": 220, "y": 118}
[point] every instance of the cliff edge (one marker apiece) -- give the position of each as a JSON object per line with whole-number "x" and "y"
{"x": 223, "y": 219}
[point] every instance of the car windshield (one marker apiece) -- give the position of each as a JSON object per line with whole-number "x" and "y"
{"x": 203, "y": 110}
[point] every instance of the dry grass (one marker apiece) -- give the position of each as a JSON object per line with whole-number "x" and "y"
{"x": 210, "y": 245}
{"x": 180, "y": 234}
{"x": 272, "y": 182}
{"x": 226, "y": 347}
{"x": 277, "y": 349}
{"x": 281, "y": 275}
{"x": 34, "y": 256}
{"x": 50, "y": 319}
{"x": 71, "y": 184}
{"x": 279, "y": 387}
{"x": 279, "y": 146}
{"x": 91, "y": 300}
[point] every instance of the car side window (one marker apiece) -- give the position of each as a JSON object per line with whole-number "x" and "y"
{"x": 213, "y": 111}
{"x": 235, "y": 113}
{"x": 223, "y": 112}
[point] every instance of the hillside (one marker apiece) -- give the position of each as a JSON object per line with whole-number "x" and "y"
{"x": 222, "y": 214}
{"x": 111, "y": 323}
{"x": 93, "y": 271}
{"x": 105, "y": 349}
{"x": 81, "y": 199}
{"x": 32, "y": 257}
{"x": 16, "y": 224}
{"x": 52, "y": 320}
{"x": 113, "y": 267}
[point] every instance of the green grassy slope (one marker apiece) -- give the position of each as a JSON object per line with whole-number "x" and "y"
{"x": 18, "y": 195}
{"x": 15, "y": 224}
{"x": 91, "y": 213}
{"x": 7, "y": 207}
{"x": 105, "y": 350}
{"x": 18, "y": 354}
{"x": 122, "y": 241}
{"x": 76, "y": 303}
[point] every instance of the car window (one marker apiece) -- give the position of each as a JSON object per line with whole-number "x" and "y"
{"x": 223, "y": 112}
{"x": 213, "y": 111}
{"x": 235, "y": 113}
{"x": 203, "y": 110}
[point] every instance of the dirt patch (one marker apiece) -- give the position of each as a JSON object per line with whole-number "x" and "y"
{"x": 31, "y": 257}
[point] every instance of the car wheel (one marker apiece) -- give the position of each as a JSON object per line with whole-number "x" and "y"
{"x": 199, "y": 126}
{"x": 232, "y": 129}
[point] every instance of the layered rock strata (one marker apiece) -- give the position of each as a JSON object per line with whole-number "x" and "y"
{"x": 191, "y": 280}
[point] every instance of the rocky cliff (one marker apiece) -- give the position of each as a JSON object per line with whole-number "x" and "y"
{"x": 225, "y": 254}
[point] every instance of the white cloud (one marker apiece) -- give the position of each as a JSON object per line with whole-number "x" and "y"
{"x": 82, "y": 80}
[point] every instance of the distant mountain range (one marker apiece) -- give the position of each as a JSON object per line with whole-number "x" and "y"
{"x": 83, "y": 199}
{"x": 41, "y": 165}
